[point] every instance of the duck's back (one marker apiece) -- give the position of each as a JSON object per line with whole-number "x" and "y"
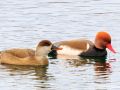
{"x": 22, "y": 57}
{"x": 73, "y": 47}
{"x": 21, "y": 53}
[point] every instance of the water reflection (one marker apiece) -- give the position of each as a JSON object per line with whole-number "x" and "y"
{"x": 73, "y": 60}
{"x": 40, "y": 72}
{"x": 36, "y": 77}
{"x": 102, "y": 74}
{"x": 101, "y": 66}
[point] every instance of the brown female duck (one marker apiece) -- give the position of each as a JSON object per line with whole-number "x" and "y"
{"x": 28, "y": 56}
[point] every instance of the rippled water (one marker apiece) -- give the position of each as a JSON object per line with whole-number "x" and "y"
{"x": 23, "y": 23}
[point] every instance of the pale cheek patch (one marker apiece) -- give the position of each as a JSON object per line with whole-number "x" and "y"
{"x": 69, "y": 51}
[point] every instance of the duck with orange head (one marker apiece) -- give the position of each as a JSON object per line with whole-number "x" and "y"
{"x": 86, "y": 48}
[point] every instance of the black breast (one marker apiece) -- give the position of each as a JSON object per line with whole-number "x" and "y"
{"x": 94, "y": 52}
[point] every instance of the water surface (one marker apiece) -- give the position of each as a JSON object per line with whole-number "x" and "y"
{"x": 23, "y": 23}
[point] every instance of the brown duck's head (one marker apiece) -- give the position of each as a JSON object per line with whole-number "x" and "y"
{"x": 44, "y": 43}
{"x": 103, "y": 40}
{"x": 45, "y": 46}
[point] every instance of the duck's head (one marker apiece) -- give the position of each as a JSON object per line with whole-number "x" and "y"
{"x": 44, "y": 47}
{"x": 103, "y": 40}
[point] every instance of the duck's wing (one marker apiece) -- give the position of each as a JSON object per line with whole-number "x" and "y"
{"x": 20, "y": 53}
{"x": 73, "y": 47}
{"x": 10, "y": 58}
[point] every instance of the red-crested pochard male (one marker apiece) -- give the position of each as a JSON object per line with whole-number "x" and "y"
{"x": 28, "y": 56}
{"x": 85, "y": 48}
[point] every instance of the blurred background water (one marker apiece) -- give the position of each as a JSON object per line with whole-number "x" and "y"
{"x": 23, "y": 23}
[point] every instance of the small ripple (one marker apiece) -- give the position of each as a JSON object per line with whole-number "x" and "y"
{"x": 59, "y": 2}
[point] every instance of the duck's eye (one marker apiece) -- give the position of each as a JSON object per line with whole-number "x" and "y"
{"x": 106, "y": 40}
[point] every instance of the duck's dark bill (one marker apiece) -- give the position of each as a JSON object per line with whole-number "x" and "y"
{"x": 56, "y": 48}
{"x": 109, "y": 46}
{"x": 59, "y": 48}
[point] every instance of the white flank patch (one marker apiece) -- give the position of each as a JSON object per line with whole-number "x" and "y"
{"x": 69, "y": 51}
{"x": 88, "y": 46}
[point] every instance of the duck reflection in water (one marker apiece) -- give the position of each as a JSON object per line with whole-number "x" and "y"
{"x": 40, "y": 72}
{"x": 73, "y": 60}
{"x": 101, "y": 66}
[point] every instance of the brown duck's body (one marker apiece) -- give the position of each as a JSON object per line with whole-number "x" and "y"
{"x": 22, "y": 57}
{"x": 20, "y": 52}
{"x": 27, "y": 56}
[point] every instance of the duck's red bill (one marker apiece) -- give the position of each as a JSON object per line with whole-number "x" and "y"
{"x": 109, "y": 46}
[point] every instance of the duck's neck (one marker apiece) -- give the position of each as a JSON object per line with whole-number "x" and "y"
{"x": 99, "y": 46}
{"x": 40, "y": 57}
{"x": 40, "y": 53}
